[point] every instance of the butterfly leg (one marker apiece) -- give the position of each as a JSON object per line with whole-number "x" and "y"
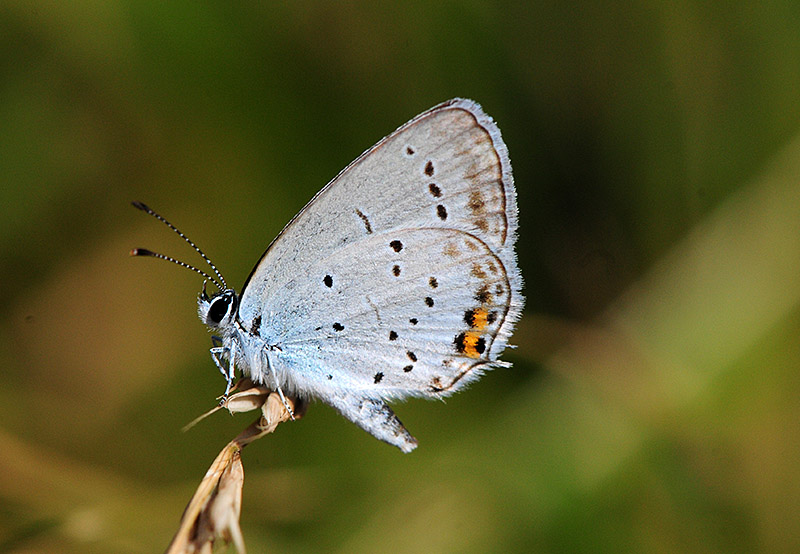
{"x": 375, "y": 417}
{"x": 275, "y": 380}
{"x": 217, "y": 354}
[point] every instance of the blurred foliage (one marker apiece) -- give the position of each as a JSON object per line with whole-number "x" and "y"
{"x": 655, "y": 396}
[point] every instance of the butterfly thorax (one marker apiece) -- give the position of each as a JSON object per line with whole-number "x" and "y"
{"x": 218, "y": 312}
{"x": 235, "y": 344}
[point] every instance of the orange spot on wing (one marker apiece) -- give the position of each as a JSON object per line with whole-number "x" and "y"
{"x": 480, "y": 319}
{"x": 473, "y": 344}
{"x": 477, "y": 271}
{"x": 450, "y": 250}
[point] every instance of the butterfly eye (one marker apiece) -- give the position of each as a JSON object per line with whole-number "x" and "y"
{"x": 218, "y": 309}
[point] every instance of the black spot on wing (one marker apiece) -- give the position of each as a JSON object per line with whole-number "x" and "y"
{"x": 365, "y": 220}
{"x": 483, "y": 295}
{"x": 328, "y": 280}
{"x": 378, "y": 377}
{"x": 469, "y": 318}
{"x": 459, "y": 343}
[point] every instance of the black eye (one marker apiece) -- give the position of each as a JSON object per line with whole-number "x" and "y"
{"x": 218, "y": 309}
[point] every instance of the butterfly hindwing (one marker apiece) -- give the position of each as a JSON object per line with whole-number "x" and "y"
{"x": 416, "y": 313}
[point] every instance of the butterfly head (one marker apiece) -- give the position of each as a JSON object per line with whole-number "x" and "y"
{"x": 219, "y": 310}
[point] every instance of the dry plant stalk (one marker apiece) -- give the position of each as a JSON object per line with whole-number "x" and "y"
{"x": 213, "y": 512}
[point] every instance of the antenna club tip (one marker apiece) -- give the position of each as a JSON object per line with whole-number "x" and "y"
{"x": 140, "y": 252}
{"x": 140, "y": 206}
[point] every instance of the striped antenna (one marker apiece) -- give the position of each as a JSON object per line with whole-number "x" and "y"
{"x": 144, "y": 252}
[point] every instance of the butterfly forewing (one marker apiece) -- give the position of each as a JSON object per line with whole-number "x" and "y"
{"x": 446, "y": 168}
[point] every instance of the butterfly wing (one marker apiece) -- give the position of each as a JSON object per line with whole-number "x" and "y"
{"x": 399, "y": 278}
{"x": 397, "y": 313}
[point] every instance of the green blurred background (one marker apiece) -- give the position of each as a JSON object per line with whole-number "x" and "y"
{"x": 654, "y": 402}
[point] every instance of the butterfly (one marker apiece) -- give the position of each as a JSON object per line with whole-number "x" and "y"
{"x": 398, "y": 279}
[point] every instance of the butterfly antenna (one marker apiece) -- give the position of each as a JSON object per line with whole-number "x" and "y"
{"x": 151, "y": 254}
{"x": 143, "y": 252}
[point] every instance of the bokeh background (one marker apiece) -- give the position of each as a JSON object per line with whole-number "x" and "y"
{"x": 654, "y": 402}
